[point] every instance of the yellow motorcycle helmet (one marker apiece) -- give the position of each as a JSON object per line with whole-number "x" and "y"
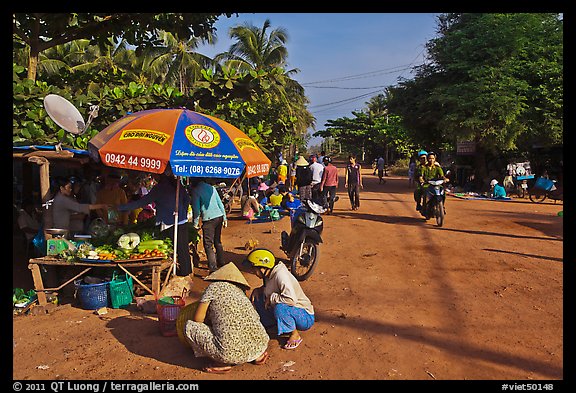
{"x": 261, "y": 257}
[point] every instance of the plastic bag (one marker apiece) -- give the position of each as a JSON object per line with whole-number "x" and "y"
{"x": 39, "y": 241}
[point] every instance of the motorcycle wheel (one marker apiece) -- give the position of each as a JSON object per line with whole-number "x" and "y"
{"x": 228, "y": 208}
{"x": 537, "y": 197}
{"x": 303, "y": 264}
{"x": 439, "y": 213}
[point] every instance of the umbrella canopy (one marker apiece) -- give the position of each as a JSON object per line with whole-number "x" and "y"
{"x": 192, "y": 143}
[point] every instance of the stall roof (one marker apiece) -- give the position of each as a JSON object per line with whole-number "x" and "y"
{"x": 49, "y": 152}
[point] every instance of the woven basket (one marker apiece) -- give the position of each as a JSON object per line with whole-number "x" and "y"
{"x": 186, "y": 314}
{"x": 121, "y": 294}
{"x": 92, "y": 296}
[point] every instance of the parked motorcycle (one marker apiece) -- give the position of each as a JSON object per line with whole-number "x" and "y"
{"x": 302, "y": 244}
{"x": 228, "y": 194}
{"x": 545, "y": 188}
{"x": 435, "y": 199}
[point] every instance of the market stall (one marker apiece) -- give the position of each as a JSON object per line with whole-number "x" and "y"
{"x": 158, "y": 265}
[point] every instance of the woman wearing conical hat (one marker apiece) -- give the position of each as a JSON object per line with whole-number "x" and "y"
{"x": 235, "y": 334}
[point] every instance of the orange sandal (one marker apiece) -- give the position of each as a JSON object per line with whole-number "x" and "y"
{"x": 262, "y": 359}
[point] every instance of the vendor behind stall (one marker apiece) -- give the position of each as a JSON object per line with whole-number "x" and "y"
{"x": 112, "y": 194}
{"x": 67, "y": 213}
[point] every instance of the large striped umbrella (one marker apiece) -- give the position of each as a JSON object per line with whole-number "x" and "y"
{"x": 194, "y": 144}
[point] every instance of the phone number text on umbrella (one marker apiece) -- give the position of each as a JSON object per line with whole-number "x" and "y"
{"x": 206, "y": 170}
{"x": 144, "y": 163}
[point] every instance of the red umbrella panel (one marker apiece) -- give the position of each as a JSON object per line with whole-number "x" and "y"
{"x": 192, "y": 143}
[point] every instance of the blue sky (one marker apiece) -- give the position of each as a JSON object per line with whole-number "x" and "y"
{"x": 343, "y": 58}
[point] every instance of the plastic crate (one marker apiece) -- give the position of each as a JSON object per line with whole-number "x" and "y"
{"x": 121, "y": 293}
{"x": 92, "y": 296}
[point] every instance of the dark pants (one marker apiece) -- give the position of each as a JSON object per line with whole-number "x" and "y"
{"x": 182, "y": 248}
{"x": 212, "y": 239}
{"x": 354, "y": 194}
{"x": 329, "y": 194}
{"x": 316, "y": 194}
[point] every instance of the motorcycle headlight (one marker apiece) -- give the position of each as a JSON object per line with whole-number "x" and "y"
{"x": 318, "y": 223}
{"x": 302, "y": 218}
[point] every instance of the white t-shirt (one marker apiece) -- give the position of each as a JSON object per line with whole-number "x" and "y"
{"x": 317, "y": 170}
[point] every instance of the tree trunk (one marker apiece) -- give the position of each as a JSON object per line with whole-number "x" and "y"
{"x": 32, "y": 63}
{"x": 480, "y": 167}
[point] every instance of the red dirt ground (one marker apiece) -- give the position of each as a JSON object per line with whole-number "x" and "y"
{"x": 396, "y": 298}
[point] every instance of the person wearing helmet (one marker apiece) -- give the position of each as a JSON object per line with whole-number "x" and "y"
{"x": 422, "y": 161}
{"x": 280, "y": 302}
{"x": 496, "y": 190}
{"x": 329, "y": 184}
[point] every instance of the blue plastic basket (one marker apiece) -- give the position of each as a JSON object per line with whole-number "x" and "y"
{"x": 92, "y": 296}
{"x": 543, "y": 183}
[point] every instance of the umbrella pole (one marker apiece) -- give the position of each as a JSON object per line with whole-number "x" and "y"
{"x": 175, "y": 245}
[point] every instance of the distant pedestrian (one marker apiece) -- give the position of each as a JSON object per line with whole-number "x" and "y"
{"x": 282, "y": 172}
{"x": 321, "y": 157}
{"x": 380, "y": 168}
{"x": 292, "y": 173}
{"x": 329, "y": 184}
{"x": 353, "y": 182}
{"x": 303, "y": 179}
{"x": 317, "y": 170}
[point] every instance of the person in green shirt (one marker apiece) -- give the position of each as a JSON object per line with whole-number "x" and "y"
{"x": 431, "y": 171}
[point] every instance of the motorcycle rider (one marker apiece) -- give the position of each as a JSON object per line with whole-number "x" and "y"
{"x": 431, "y": 171}
{"x": 422, "y": 161}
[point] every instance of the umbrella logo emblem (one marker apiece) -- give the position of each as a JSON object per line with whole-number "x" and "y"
{"x": 243, "y": 143}
{"x": 202, "y": 136}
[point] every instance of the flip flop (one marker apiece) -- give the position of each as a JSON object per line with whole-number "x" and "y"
{"x": 217, "y": 369}
{"x": 262, "y": 359}
{"x": 292, "y": 344}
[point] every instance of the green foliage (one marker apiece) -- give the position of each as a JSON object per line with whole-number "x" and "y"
{"x": 495, "y": 79}
{"x": 89, "y": 65}
{"x": 32, "y": 125}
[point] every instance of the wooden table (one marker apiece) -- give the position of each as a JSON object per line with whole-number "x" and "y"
{"x": 156, "y": 264}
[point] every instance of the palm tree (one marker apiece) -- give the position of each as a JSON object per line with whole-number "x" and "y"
{"x": 176, "y": 63}
{"x": 255, "y": 49}
{"x": 263, "y": 51}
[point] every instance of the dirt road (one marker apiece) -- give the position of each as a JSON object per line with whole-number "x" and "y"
{"x": 396, "y": 298}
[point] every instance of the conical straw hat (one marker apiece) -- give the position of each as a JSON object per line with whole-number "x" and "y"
{"x": 301, "y": 162}
{"x": 230, "y": 273}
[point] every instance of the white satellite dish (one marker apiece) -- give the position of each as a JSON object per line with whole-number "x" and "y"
{"x": 64, "y": 113}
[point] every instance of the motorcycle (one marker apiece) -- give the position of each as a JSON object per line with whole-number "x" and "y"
{"x": 228, "y": 194}
{"x": 302, "y": 244}
{"x": 545, "y": 188}
{"x": 435, "y": 199}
